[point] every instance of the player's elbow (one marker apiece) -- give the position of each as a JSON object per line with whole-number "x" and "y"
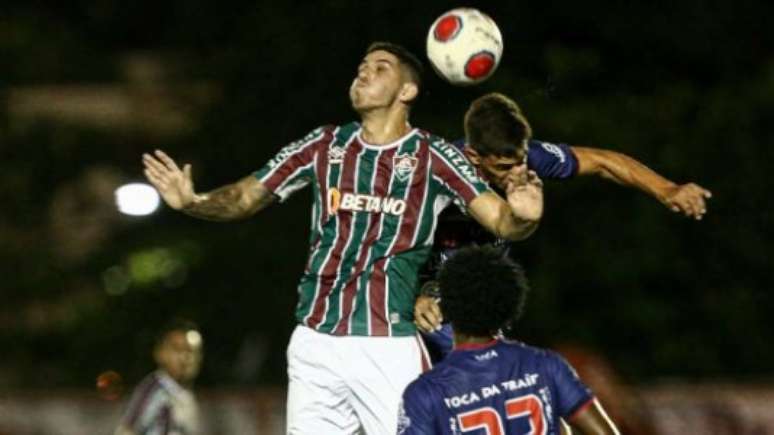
{"x": 522, "y": 229}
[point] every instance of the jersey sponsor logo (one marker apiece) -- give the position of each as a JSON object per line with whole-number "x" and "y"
{"x": 360, "y": 202}
{"x": 487, "y": 356}
{"x": 486, "y": 391}
{"x": 404, "y": 165}
{"x": 555, "y": 150}
{"x": 459, "y": 162}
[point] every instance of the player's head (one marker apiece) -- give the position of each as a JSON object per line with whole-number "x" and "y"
{"x": 178, "y": 350}
{"x": 481, "y": 290}
{"x": 388, "y": 76}
{"x": 496, "y": 133}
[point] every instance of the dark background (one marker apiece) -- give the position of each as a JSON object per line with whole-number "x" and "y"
{"x": 687, "y": 87}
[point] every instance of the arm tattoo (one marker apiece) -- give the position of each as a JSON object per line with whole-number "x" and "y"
{"x": 230, "y": 202}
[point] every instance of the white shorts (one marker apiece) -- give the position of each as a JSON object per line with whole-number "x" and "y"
{"x": 347, "y": 384}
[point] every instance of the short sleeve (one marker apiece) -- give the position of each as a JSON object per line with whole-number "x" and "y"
{"x": 455, "y": 173}
{"x": 572, "y": 393}
{"x": 292, "y": 167}
{"x": 550, "y": 160}
{"x": 415, "y": 416}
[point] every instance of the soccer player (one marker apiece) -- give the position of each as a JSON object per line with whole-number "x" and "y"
{"x": 499, "y": 139}
{"x": 163, "y": 403}
{"x": 489, "y": 385}
{"x": 378, "y": 187}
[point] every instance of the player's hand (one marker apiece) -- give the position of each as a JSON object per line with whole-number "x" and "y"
{"x": 174, "y": 185}
{"x": 427, "y": 314}
{"x": 689, "y": 199}
{"x": 524, "y": 191}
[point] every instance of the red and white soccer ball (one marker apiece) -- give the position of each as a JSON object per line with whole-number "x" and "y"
{"x": 464, "y": 46}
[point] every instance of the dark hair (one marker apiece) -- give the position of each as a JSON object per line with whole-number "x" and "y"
{"x": 494, "y": 125}
{"x": 410, "y": 63}
{"x": 482, "y": 290}
{"x": 174, "y": 325}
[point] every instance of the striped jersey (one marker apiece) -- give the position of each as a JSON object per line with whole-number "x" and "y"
{"x": 374, "y": 212}
{"x": 160, "y": 406}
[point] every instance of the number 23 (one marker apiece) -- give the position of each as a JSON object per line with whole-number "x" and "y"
{"x": 488, "y": 418}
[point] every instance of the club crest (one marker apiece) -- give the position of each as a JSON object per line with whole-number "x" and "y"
{"x": 403, "y": 166}
{"x": 336, "y": 154}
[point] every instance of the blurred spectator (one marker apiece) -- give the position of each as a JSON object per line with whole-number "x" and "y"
{"x": 164, "y": 403}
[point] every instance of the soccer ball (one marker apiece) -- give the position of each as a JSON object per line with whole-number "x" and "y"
{"x": 464, "y": 46}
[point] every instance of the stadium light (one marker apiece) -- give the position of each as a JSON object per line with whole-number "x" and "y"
{"x": 137, "y": 199}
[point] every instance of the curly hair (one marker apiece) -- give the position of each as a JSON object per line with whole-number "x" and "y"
{"x": 482, "y": 290}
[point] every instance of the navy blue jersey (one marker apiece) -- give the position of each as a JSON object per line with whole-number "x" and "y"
{"x": 497, "y": 388}
{"x": 456, "y": 230}
{"x": 548, "y": 160}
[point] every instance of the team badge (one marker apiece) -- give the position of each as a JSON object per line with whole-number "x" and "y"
{"x": 336, "y": 154}
{"x": 403, "y": 166}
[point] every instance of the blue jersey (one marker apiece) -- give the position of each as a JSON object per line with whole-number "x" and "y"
{"x": 495, "y": 389}
{"x": 456, "y": 230}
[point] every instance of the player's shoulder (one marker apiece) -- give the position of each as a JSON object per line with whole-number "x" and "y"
{"x": 435, "y": 142}
{"x": 539, "y": 355}
{"x": 149, "y": 389}
{"x": 421, "y": 388}
{"x": 152, "y": 381}
{"x": 559, "y": 150}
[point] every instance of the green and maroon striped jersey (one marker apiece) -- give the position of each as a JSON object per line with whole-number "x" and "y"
{"x": 374, "y": 213}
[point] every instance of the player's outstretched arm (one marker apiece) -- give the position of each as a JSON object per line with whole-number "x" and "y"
{"x": 593, "y": 421}
{"x": 689, "y": 199}
{"x": 230, "y": 202}
{"x": 517, "y": 218}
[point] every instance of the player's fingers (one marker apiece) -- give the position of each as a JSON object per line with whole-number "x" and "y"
{"x": 151, "y": 177}
{"x": 432, "y": 318}
{"x": 435, "y": 309}
{"x": 187, "y": 171}
{"x": 510, "y": 187}
{"x": 150, "y": 171}
{"x": 167, "y": 160}
{"x": 423, "y": 324}
{"x": 154, "y": 163}
{"x": 533, "y": 179}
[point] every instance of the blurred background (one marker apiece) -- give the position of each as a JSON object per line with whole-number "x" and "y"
{"x": 668, "y": 317}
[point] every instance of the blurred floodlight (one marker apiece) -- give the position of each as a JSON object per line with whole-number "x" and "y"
{"x": 194, "y": 338}
{"x": 137, "y": 199}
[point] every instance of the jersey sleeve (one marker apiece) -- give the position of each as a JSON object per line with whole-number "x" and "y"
{"x": 550, "y": 160}
{"x": 572, "y": 394}
{"x": 146, "y": 406}
{"x": 415, "y": 416}
{"x": 292, "y": 167}
{"x": 455, "y": 173}
{"x": 439, "y": 343}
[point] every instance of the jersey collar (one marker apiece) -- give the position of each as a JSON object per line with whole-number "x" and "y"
{"x": 475, "y": 346}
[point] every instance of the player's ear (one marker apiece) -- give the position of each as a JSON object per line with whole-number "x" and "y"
{"x": 408, "y": 92}
{"x": 472, "y": 155}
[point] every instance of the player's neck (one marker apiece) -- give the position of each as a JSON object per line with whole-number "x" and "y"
{"x": 384, "y": 126}
{"x": 462, "y": 340}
